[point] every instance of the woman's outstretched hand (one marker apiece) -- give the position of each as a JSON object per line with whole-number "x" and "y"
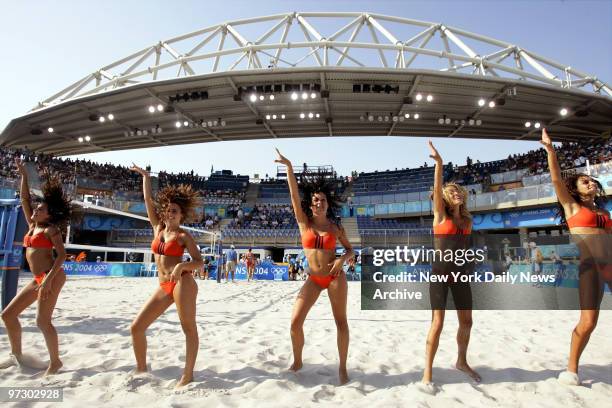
{"x": 282, "y": 159}
{"x": 20, "y": 165}
{"x": 139, "y": 170}
{"x": 546, "y": 140}
{"x": 434, "y": 153}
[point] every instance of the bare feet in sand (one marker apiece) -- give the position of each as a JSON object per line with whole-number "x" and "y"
{"x": 53, "y": 368}
{"x": 468, "y": 370}
{"x": 185, "y": 379}
{"x": 343, "y": 376}
{"x": 295, "y": 366}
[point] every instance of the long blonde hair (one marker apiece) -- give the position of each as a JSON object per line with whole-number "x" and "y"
{"x": 446, "y": 197}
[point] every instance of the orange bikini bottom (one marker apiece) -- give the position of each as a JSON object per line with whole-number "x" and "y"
{"x": 322, "y": 281}
{"x": 168, "y": 286}
{"x": 39, "y": 278}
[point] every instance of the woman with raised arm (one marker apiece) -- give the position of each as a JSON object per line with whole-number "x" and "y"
{"x": 451, "y": 219}
{"x": 173, "y": 206}
{"x": 319, "y": 229}
{"x": 581, "y": 201}
{"x": 45, "y": 224}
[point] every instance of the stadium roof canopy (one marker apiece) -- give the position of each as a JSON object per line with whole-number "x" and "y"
{"x": 370, "y": 75}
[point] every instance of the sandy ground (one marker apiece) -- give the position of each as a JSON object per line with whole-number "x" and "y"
{"x": 245, "y": 350}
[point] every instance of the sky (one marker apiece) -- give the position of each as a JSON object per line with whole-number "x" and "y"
{"x": 47, "y": 45}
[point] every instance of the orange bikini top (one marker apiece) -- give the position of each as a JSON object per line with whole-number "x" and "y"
{"x": 448, "y": 227}
{"x": 585, "y": 217}
{"x": 310, "y": 240}
{"x": 39, "y": 240}
{"x": 170, "y": 248}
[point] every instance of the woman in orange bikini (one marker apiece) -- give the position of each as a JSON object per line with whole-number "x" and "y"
{"x": 451, "y": 218}
{"x": 315, "y": 214}
{"x": 45, "y": 222}
{"x": 174, "y": 205}
{"x": 581, "y": 208}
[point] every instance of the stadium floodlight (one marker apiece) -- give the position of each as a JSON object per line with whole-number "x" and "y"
{"x": 471, "y": 122}
{"x": 80, "y": 139}
{"x": 318, "y": 115}
{"x": 111, "y": 116}
{"x": 87, "y": 138}
{"x": 394, "y": 118}
{"x": 160, "y": 107}
{"x": 267, "y": 117}
{"x": 304, "y": 95}
{"x": 371, "y": 118}
{"x": 419, "y": 97}
{"x": 261, "y": 97}
{"x": 151, "y": 109}
{"x": 416, "y": 116}
{"x": 481, "y": 102}
{"x": 313, "y": 95}
{"x": 407, "y": 115}
{"x": 253, "y": 98}
{"x": 50, "y": 130}
{"x": 178, "y": 124}
{"x": 478, "y": 122}
{"x": 273, "y": 116}
{"x": 302, "y": 115}
{"x": 215, "y": 122}
{"x": 272, "y": 97}
{"x": 441, "y": 121}
{"x": 185, "y": 123}
{"x": 563, "y": 111}
{"x": 210, "y": 123}
{"x": 310, "y": 115}
{"x": 294, "y": 96}
{"x": 401, "y": 118}
{"x": 527, "y": 124}
{"x": 491, "y": 104}
{"x": 537, "y": 125}
{"x": 380, "y": 118}
{"x": 283, "y": 116}
{"x": 429, "y": 98}
{"x": 102, "y": 119}
{"x": 447, "y": 121}
{"x": 386, "y": 118}
{"x": 362, "y": 118}
{"x": 223, "y": 123}
{"x": 138, "y": 132}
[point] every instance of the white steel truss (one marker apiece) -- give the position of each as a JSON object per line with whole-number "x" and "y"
{"x": 296, "y": 40}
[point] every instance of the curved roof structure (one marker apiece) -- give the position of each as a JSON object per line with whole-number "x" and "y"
{"x": 317, "y": 74}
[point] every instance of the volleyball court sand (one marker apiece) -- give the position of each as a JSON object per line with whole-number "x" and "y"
{"x": 245, "y": 350}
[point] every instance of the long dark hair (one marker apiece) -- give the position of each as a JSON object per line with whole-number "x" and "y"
{"x": 311, "y": 184}
{"x": 58, "y": 203}
{"x": 571, "y": 185}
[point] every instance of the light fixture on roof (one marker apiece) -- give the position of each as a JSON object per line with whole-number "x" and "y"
{"x": 151, "y": 109}
{"x": 294, "y": 96}
{"x": 110, "y": 116}
{"x": 267, "y": 117}
{"x": 478, "y": 122}
{"x": 310, "y": 115}
{"x": 304, "y": 95}
{"x": 272, "y": 97}
{"x": 401, "y": 118}
{"x": 491, "y": 104}
{"x": 537, "y": 125}
{"x": 185, "y": 123}
{"x": 261, "y": 97}
{"x": 380, "y": 118}
{"x": 481, "y": 102}
{"x": 441, "y": 121}
{"x": 210, "y": 123}
{"x": 395, "y": 119}
{"x": 429, "y": 98}
{"x": 178, "y": 124}
{"x": 371, "y": 118}
{"x": 419, "y": 97}
{"x": 223, "y": 123}
{"x": 407, "y": 115}
{"x": 313, "y": 95}
{"x": 138, "y": 132}
{"x": 283, "y": 116}
{"x": 471, "y": 122}
{"x": 563, "y": 111}
{"x": 126, "y": 133}
{"x": 527, "y": 124}
{"x": 87, "y": 138}
{"x": 386, "y": 118}
{"x": 416, "y": 116}
{"x": 273, "y": 116}
{"x": 318, "y": 115}
{"x": 160, "y": 107}
{"x": 102, "y": 119}
{"x": 80, "y": 139}
{"x": 302, "y": 115}
{"x": 447, "y": 121}
{"x": 50, "y": 130}
{"x": 362, "y": 118}
{"x": 253, "y": 98}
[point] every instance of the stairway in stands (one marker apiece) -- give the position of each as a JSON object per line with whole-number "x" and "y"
{"x": 352, "y": 230}
{"x": 251, "y": 194}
